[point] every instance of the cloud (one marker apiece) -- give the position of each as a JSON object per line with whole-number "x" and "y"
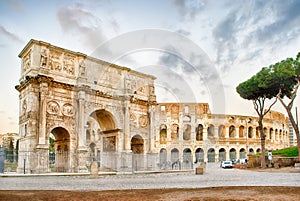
{"x": 115, "y": 25}
{"x": 9, "y": 35}
{"x": 225, "y": 39}
{"x": 189, "y": 9}
{"x": 286, "y": 23}
{"x": 183, "y": 32}
{"x": 247, "y": 27}
{"x": 194, "y": 64}
{"x": 76, "y": 20}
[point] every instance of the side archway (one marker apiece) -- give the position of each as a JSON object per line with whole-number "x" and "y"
{"x": 242, "y": 153}
{"x": 211, "y": 156}
{"x": 175, "y": 159}
{"x": 222, "y": 154}
{"x": 232, "y": 154}
{"x": 163, "y": 158}
{"x": 199, "y": 155}
{"x": 187, "y": 159}
{"x": 137, "y": 144}
{"x": 60, "y": 157}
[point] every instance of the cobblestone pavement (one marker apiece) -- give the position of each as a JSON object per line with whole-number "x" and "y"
{"x": 214, "y": 176}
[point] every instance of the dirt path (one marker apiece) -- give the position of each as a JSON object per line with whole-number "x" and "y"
{"x": 215, "y": 194}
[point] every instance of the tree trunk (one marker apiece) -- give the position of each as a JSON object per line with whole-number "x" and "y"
{"x": 296, "y": 129}
{"x": 293, "y": 122}
{"x": 263, "y": 142}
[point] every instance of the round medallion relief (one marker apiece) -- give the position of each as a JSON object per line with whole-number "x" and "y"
{"x": 68, "y": 109}
{"x": 52, "y": 107}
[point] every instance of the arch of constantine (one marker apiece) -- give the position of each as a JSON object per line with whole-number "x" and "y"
{"x": 98, "y": 111}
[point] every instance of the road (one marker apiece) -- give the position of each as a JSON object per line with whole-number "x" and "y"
{"x": 213, "y": 177}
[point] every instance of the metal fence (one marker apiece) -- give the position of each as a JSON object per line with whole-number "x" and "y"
{"x": 29, "y": 162}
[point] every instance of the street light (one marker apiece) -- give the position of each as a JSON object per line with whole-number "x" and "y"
{"x": 247, "y": 121}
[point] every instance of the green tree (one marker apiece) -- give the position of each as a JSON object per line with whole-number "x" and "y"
{"x": 51, "y": 144}
{"x": 286, "y": 77}
{"x": 258, "y": 89}
{"x": 11, "y": 151}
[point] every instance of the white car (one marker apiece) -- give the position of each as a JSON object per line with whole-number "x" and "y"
{"x": 226, "y": 164}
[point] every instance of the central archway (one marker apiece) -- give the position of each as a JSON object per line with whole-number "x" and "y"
{"x": 105, "y": 120}
{"x": 102, "y": 123}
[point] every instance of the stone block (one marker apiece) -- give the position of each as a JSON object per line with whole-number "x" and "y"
{"x": 94, "y": 169}
{"x": 199, "y": 170}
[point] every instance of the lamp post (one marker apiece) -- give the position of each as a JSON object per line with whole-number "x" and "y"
{"x": 247, "y": 121}
{"x": 246, "y": 137}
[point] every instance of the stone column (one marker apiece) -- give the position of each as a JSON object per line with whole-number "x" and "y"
{"x": 152, "y": 128}
{"x": 227, "y": 132}
{"x": 81, "y": 123}
{"x": 126, "y": 145}
{"x": 193, "y": 129}
{"x": 180, "y": 130}
{"x": 205, "y": 132}
{"x": 255, "y": 130}
{"x": 227, "y": 154}
{"x": 216, "y": 132}
{"x": 42, "y": 143}
{"x": 82, "y": 153}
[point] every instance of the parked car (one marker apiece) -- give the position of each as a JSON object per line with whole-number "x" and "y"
{"x": 226, "y": 164}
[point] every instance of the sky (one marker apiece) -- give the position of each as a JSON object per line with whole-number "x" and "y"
{"x": 199, "y": 50}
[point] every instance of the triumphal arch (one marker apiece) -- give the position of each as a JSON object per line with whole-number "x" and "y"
{"x": 88, "y": 106}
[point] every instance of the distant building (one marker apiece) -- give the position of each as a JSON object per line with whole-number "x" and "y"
{"x": 292, "y": 135}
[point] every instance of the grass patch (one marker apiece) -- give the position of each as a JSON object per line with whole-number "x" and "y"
{"x": 10, "y": 167}
{"x": 287, "y": 152}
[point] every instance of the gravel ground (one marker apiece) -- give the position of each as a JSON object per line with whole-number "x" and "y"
{"x": 214, "y": 177}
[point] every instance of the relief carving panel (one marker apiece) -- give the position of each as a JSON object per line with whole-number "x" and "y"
{"x": 143, "y": 121}
{"x": 55, "y": 61}
{"x": 68, "y": 64}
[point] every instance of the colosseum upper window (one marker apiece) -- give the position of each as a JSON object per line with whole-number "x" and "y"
{"x": 163, "y": 134}
{"x": 187, "y": 132}
{"x": 174, "y": 131}
{"x": 199, "y": 132}
{"x": 222, "y": 131}
{"x": 211, "y": 130}
{"x": 231, "y": 131}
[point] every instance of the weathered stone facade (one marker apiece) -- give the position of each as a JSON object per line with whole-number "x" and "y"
{"x": 188, "y": 132}
{"x": 91, "y": 107}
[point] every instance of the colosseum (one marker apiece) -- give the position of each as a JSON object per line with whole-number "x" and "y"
{"x": 76, "y": 109}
